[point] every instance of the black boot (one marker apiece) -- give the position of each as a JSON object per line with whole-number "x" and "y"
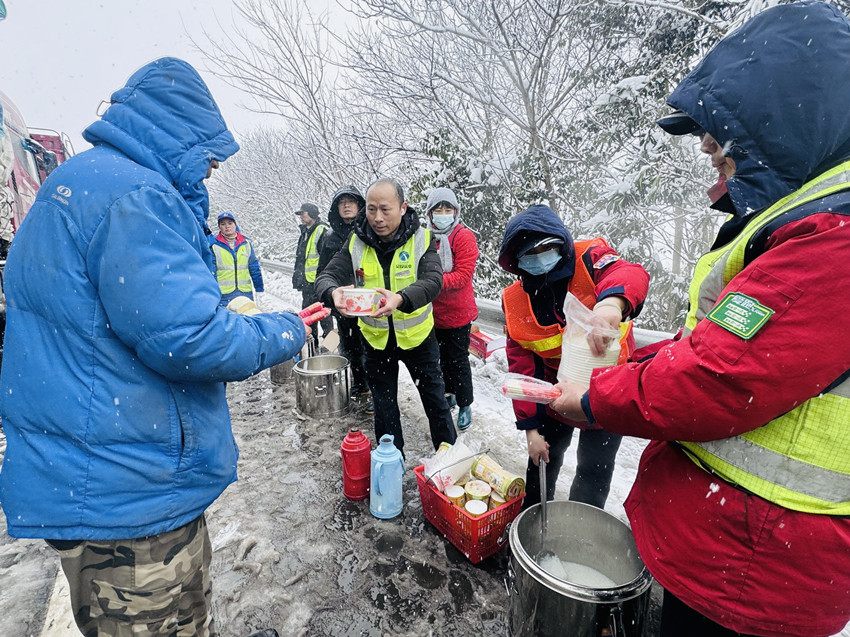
{"x": 266, "y": 632}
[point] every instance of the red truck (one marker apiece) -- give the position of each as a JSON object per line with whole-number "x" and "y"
{"x": 27, "y": 156}
{"x": 36, "y": 152}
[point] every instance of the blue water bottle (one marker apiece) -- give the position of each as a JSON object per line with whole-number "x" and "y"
{"x": 386, "y": 472}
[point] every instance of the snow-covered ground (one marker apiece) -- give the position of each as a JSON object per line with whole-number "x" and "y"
{"x": 290, "y": 552}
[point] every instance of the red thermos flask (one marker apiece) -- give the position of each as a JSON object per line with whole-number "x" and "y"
{"x": 356, "y": 464}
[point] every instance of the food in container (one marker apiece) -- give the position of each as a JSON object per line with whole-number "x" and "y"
{"x": 496, "y": 500}
{"x": 456, "y": 494}
{"x": 476, "y": 507}
{"x": 477, "y": 490}
{"x": 528, "y": 388}
{"x": 358, "y": 301}
{"x": 505, "y": 483}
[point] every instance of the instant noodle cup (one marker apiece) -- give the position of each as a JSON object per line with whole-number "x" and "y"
{"x": 456, "y": 494}
{"x": 476, "y": 507}
{"x": 502, "y": 482}
{"x": 477, "y": 490}
{"x": 496, "y": 500}
{"x": 358, "y": 301}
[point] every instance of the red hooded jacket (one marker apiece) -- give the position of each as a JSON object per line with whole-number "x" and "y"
{"x": 744, "y": 562}
{"x": 751, "y": 565}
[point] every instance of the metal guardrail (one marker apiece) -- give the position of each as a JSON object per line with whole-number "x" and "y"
{"x": 490, "y": 313}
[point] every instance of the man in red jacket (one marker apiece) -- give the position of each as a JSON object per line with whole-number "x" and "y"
{"x": 741, "y": 506}
{"x": 454, "y": 308}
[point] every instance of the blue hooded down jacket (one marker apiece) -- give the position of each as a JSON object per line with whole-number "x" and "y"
{"x": 113, "y": 399}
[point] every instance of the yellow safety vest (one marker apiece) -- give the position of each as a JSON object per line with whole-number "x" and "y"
{"x": 233, "y": 273}
{"x": 801, "y": 459}
{"x": 311, "y": 254}
{"x": 410, "y": 329}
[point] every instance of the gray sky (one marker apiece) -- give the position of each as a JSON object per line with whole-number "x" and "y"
{"x": 60, "y": 58}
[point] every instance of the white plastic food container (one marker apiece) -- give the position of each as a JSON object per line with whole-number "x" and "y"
{"x": 358, "y": 301}
{"x": 578, "y": 362}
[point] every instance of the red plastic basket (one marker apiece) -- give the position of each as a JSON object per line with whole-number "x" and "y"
{"x": 476, "y": 537}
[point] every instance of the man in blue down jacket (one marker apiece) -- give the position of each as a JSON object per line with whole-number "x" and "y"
{"x": 116, "y": 355}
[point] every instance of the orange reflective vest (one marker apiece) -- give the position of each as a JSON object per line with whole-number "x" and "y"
{"x": 545, "y": 340}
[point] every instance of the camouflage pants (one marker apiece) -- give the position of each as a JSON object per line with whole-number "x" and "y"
{"x": 153, "y": 586}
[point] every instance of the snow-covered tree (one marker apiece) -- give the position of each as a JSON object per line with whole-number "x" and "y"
{"x": 259, "y": 186}
{"x": 509, "y": 103}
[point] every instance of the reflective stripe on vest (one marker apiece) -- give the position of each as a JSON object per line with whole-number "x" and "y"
{"x": 410, "y": 328}
{"x": 545, "y": 340}
{"x": 311, "y": 254}
{"x": 799, "y": 459}
{"x": 233, "y": 274}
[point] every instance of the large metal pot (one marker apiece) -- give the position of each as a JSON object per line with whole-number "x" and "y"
{"x": 543, "y": 605}
{"x": 322, "y": 385}
{"x": 282, "y": 372}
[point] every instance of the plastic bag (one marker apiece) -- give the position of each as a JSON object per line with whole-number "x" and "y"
{"x": 528, "y": 388}
{"x": 577, "y": 360}
{"x": 451, "y": 463}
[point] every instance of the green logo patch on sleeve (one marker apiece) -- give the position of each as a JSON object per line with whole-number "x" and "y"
{"x": 740, "y": 314}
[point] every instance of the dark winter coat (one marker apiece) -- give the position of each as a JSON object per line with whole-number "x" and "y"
{"x": 116, "y": 348}
{"x": 429, "y": 274}
{"x": 339, "y": 229}
{"x": 776, "y": 91}
{"x": 547, "y": 293}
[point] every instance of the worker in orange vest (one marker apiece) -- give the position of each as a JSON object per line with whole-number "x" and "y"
{"x": 538, "y": 248}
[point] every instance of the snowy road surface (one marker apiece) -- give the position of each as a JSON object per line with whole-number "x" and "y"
{"x": 292, "y": 553}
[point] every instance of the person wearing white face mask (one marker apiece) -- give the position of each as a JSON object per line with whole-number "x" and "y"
{"x": 454, "y": 308}
{"x": 538, "y": 248}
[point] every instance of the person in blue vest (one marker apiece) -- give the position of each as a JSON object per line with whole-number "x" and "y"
{"x": 117, "y": 351}
{"x": 236, "y": 264}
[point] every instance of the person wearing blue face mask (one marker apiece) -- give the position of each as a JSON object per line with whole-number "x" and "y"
{"x": 540, "y": 251}
{"x": 454, "y": 308}
{"x": 537, "y": 261}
